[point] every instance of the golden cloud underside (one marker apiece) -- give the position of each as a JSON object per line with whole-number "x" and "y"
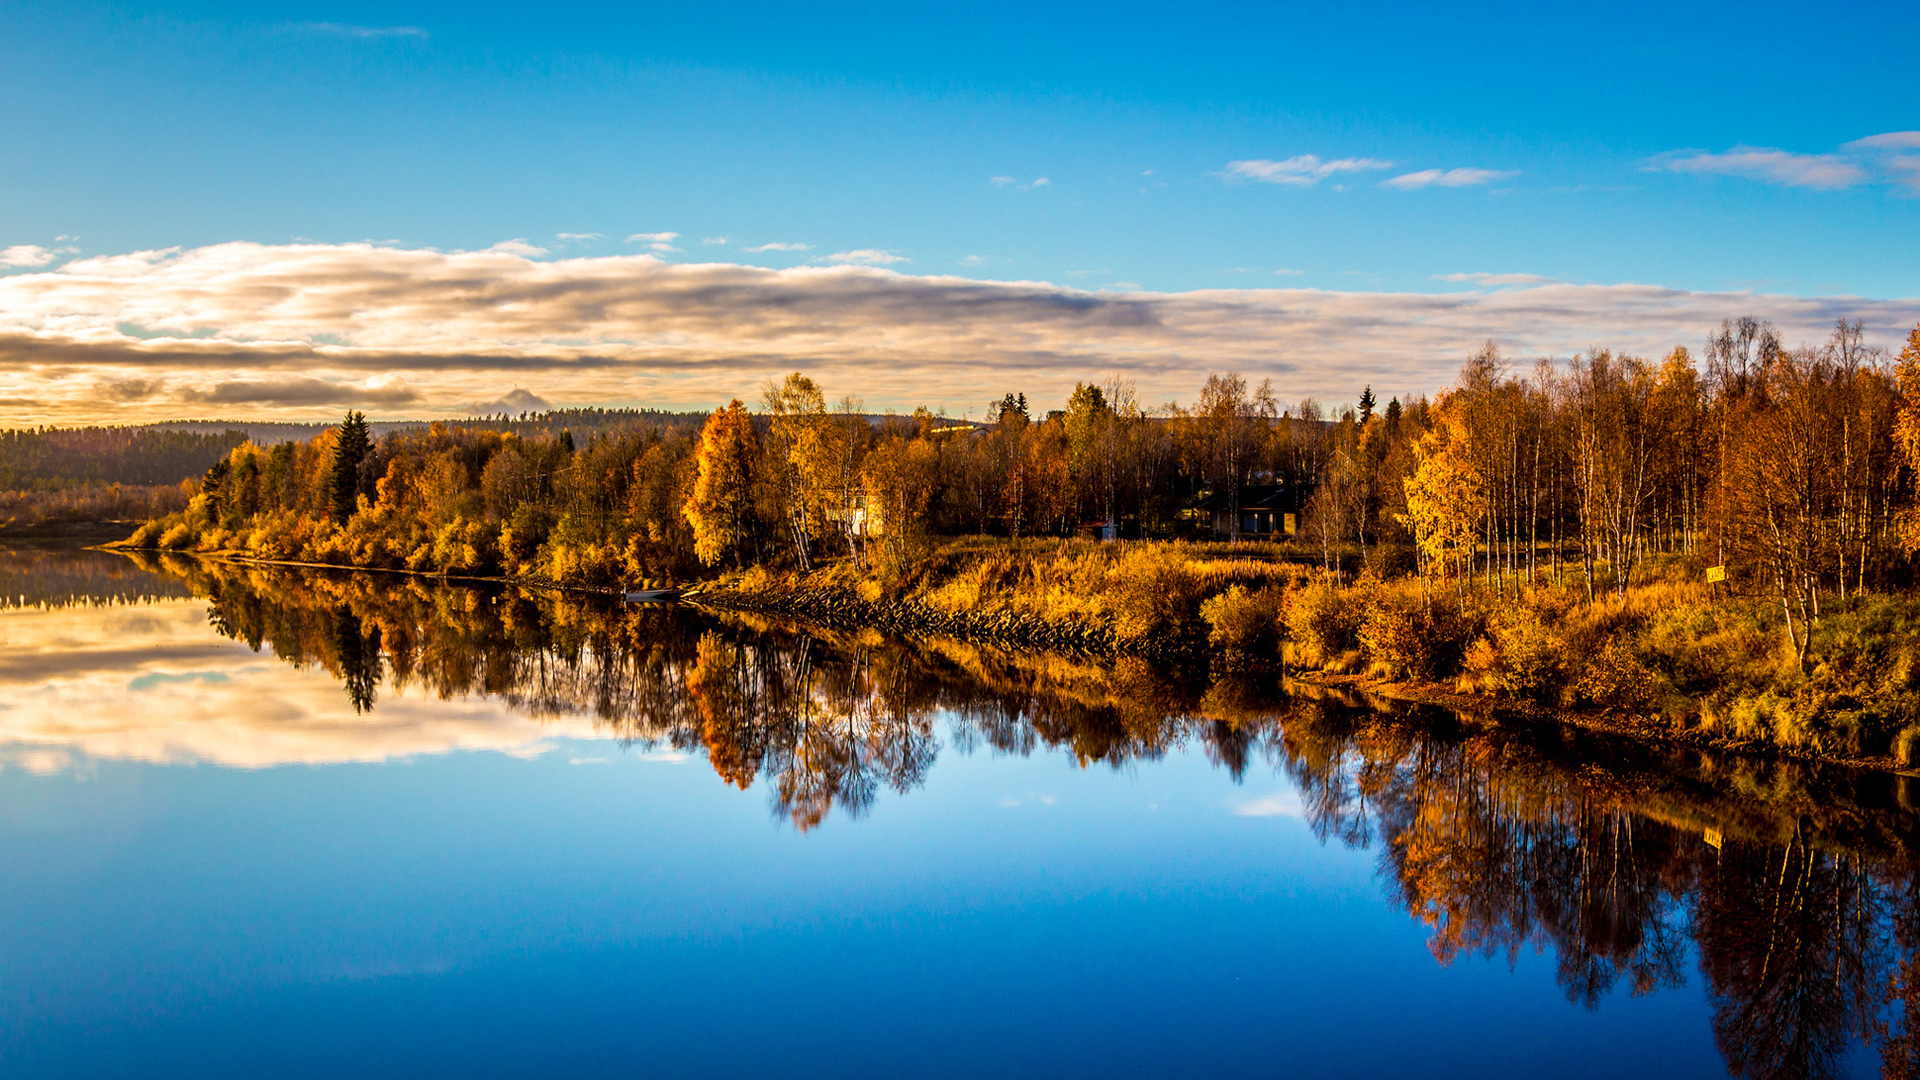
{"x": 299, "y": 328}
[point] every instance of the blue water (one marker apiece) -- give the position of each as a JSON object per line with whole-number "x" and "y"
{"x": 564, "y": 904}
{"x": 473, "y": 914}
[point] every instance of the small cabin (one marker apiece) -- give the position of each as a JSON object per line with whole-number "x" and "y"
{"x": 1270, "y": 510}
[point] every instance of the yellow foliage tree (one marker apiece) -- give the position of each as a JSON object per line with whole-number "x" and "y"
{"x": 899, "y": 477}
{"x": 798, "y": 452}
{"x": 1444, "y": 498}
{"x": 722, "y": 493}
{"x": 1907, "y": 430}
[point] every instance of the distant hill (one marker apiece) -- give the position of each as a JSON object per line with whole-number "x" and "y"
{"x": 583, "y": 423}
{"x": 47, "y": 459}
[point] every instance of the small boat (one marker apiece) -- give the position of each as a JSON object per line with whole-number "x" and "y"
{"x": 652, "y": 596}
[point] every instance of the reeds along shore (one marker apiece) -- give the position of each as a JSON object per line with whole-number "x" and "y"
{"x": 1671, "y": 657}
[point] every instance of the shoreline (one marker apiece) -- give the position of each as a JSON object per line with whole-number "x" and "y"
{"x": 1499, "y": 712}
{"x": 840, "y": 609}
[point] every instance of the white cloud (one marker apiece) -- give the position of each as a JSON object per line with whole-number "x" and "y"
{"x": 779, "y": 246}
{"x": 1892, "y": 140}
{"x": 864, "y": 257}
{"x": 1002, "y": 181}
{"x": 1824, "y": 172}
{"x": 1283, "y": 805}
{"x": 1883, "y": 151}
{"x": 580, "y": 236}
{"x": 1289, "y": 273}
{"x": 236, "y": 324}
{"x": 1447, "y": 178}
{"x": 1906, "y": 169}
{"x": 1008, "y": 181}
{"x": 517, "y": 247}
{"x": 26, "y": 255}
{"x": 974, "y": 260}
{"x": 713, "y": 239}
{"x": 1497, "y": 279}
{"x": 661, "y": 242}
{"x": 1302, "y": 171}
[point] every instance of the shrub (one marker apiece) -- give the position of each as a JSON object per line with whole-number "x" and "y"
{"x": 1616, "y": 678}
{"x": 1410, "y": 637}
{"x": 178, "y": 537}
{"x": 1156, "y": 595}
{"x": 1245, "y": 626}
{"x": 1323, "y": 622}
{"x": 1520, "y": 655}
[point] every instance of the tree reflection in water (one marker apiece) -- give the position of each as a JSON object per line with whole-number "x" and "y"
{"x": 1794, "y": 885}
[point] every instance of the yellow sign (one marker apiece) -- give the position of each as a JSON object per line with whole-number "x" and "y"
{"x": 1713, "y": 839}
{"x": 1716, "y": 573}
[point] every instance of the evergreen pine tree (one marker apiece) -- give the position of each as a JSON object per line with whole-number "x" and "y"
{"x": 349, "y": 450}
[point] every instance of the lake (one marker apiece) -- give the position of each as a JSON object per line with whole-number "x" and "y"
{"x": 269, "y": 822}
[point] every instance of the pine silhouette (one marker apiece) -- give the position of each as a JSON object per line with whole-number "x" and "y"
{"x": 343, "y": 482}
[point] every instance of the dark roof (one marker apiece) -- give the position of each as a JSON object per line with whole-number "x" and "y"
{"x": 1252, "y": 497}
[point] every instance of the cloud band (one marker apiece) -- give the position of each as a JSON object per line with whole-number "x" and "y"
{"x": 289, "y": 330}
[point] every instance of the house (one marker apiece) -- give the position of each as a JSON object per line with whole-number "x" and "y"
{"x": 1265, "y": 510}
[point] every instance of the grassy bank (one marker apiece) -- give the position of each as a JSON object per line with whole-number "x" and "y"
{"x": 1152, "y": 599}
{"x": 1669, "y": 659}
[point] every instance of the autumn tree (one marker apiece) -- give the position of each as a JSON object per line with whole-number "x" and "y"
{"x": 1444, "y": 496}
{"x": 1615, "y": 446}
{"x": 1907, "y": 430}
{"x": 719, "y": 507}
{"x": 812, "y": 464}
{"x": 899, "y": 477}
{"x": 1091, "y": 437}
{"x": 1234, "y": 421}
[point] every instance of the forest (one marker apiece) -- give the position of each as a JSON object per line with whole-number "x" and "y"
{"x": 1717, "y": 543}
{"x": 52, "y": 476}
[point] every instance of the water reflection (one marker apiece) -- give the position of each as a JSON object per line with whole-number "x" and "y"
{"x": 1786, "y": 890}
{"x": 100, "y": 660}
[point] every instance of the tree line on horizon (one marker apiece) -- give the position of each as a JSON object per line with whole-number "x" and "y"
{"x": 1792, "y": 466}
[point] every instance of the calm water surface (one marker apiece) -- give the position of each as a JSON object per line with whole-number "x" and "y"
{"x": 282, "y": 824}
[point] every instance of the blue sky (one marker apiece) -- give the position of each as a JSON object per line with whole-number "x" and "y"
{"x": 1703, "y": 148}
